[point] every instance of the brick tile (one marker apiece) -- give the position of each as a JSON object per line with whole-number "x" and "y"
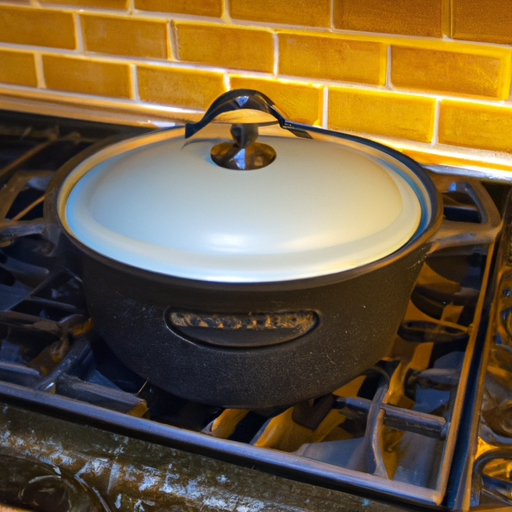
{"x": 382, "y": 113}
{"x": 17, "y": 68}
{"x": 220, "y": 45}
{"x": 200, "y": 8}
{"x": 331, "y": 58}
{"x": 187, "y": 88}
{"x": 86, "y": 76}
{"x": 406, "y": 17}
{"x": 125, "y": 36}
{"x": 37, "y": 27}
{"x": 482, "y": 20}
{"x": 472, "y": 74}
{"x": 313, "y": 13}
{"x": 299, "y": 102}
{"x": 475, "y": 126}
{"x": 100, "y": 4}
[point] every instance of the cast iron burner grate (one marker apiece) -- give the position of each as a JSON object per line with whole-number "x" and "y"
{"x": 391, "y": 430}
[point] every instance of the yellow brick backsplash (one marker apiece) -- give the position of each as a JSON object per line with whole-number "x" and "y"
{"x": 382, "y": 113}
{"x": 221, "y": 45}
{"x": 405, "y": 17}
{"x": 313, "y": 13}
{"x": 481, "y": 126}
{"x": 17, "y": 68}
{"x": 429, "y": 77}
{"x": 482, "y": 20}
{"x": 343, "y": 60}
{"x": 36, "y": 27}
{"x": 121, "y": 36}
{"x": 300, "y": 102}
{"x": 101, "y": 4}
{"x": 188, "y": 88}
{"x": 199, "y": 8}
{"x": 452, "y": 72}
{"x": 86, "y": 76}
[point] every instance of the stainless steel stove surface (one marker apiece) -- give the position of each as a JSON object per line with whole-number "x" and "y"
{"x": 97, "y": 436}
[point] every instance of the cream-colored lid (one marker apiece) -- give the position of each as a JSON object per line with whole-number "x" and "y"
{"x": 318, "y": 209}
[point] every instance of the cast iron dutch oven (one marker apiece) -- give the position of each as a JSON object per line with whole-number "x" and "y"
{"x": 249, "y": 272}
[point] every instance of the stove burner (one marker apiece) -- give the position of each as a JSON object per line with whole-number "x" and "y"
{"x": 368, "y": 435}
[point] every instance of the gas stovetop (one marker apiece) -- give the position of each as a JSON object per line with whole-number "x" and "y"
{"x": 95, "y": 431}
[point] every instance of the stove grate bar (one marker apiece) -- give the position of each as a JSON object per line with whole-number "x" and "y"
{"x": 16, "y": 228}
{"x": 401, "y": 419}
{"x": 73, "y": 358}
{"x": 230, "y": 451}
{"x": 7, "y": 171}
{"x": 96, "y": 394}
{"x": 19, "y": 374}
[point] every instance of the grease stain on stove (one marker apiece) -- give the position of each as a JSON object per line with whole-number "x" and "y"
{"x": 60, "y": 458}
{"x": 142, "y": 478}
{"x": 148, "y": 481}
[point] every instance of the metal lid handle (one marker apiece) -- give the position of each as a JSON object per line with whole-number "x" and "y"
{"x": 239, "y": 99}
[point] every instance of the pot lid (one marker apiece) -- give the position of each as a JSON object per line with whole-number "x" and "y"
{"x": 319, "y": 208}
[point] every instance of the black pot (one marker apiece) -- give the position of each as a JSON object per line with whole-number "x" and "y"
{"x": 269, "y": 343}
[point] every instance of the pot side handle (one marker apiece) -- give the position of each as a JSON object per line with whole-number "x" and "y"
{"x": 457, "y": 233}
{"x": 235, "y": 331}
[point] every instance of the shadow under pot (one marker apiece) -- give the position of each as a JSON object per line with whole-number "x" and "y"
{"x": 249, "y": 263}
